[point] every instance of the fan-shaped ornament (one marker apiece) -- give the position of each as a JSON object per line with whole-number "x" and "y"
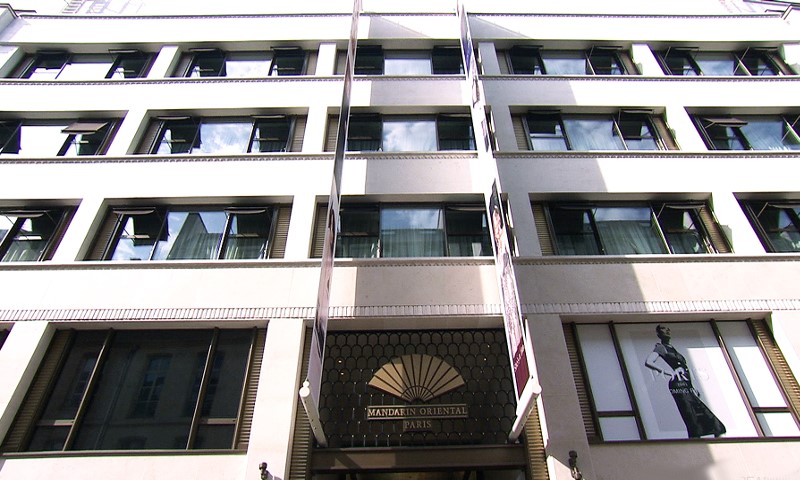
{"x": 416, "y": 377}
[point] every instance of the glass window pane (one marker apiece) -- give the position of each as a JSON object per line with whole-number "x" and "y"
{"x": 407, "y": 63}
{"x": 725, "y": 137}
{"x": 757, "y": 378}
{"x": 467, "y": 233}
{"x": 218, "y": 437}
{"x": 717, "y": 63}
{"x": 617, "y": 429}
{"x": 565, "y": 63}
{"x": 573, "y": 231}
{"x": 628, "y": 230}
{"x": 637, "y": 132}
{"x": 270, "y": 135}
{"x": 359, "y": 233}
{"x": 680, "y": 228}
{"x": 679, "y": 63}
{"x": 447, "y": 61}
{"x": 33, "y": 237}
{"x": 364, "y": 133}
{"x": 47, "y": 439}
{"x": 248, "y": 235}
{"x": 525, "y": 61}
{"x": 758, "y": 64}
{"x": 222, "y": 137}
{"x": 778, "y": 424}
{"x": 770, "y": 133}
{"x": 248, "y": 64}
{"x": 208, "y": 64}
{"x": 41, "y": 140}
{"x": 592, "y": 133}
{"x": 47, "y": 66}
{"x": 288, "y": 62}
{"x": 143, "y": 387}
{"x": 603, "y": 369}
{"x": 191, "y": 235}
{"x": 605, "y": 63}
{"x": 178, "y": 136}
{"x": 412, "y": 232}
{"x": 409, "y": 135}
{"x": 138, "y": 236}
{"x": 86, "y": 67}
{"x": 546, "y": 133}
{"x": 455, "y": 133}
{"x": 129, "y": 66}
{"x": 781, "y": 227}
{"x": 224, "y": 388}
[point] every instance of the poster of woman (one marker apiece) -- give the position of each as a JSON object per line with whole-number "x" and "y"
{"x": 681, "y": 382}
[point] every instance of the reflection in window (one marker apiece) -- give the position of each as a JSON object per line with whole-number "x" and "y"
{"x": 750, "y": 132}
{"x": 30, "y": 235}
{"x": 374, "y": 60}
{"x": 777, "y": 224}
{"x": 191, "y": 234}
{"x": 629, "y": 229}
{"x": 70, "y": 66}
{"x": 551, "y": 131}
{"x": 687, "y": 62}
{"x": 530, "y": 60}
{"x": 31, "y": 139}
{"x": 252, "y": 64}
{"x": 371, "y": 231}
{"x": 408, "y": 133}
{"x": 144, "y": 377}
{"x": 220, "y": 136}
{"x": 687, "y": 386}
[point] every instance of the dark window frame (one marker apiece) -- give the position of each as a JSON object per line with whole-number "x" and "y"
{"x": 375, "y": 230}
{"x": 283, "y": 61}
{"x": 557, "y": 119}
{"x": 754, "y": 209}
{"x": 193, "y": 125}
{"x": 119, "y": 59}
{"x": 61, "y": 349}
{"x": 367, "y": 130}
{"x": 59, "y": 217}
{"x": 740, "y": 60}
{"x": 370, "y": 59}
{"x": 97, "y": 134}
{"x": 528, "y": 60}
{"x": 120, "y": 217}
{"x": 718, "y": 130}
{"x": 656, "y": 210}
{"x": 770, "y": 352}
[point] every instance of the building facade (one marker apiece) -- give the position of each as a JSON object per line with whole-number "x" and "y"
{"x": 166, "y": 170}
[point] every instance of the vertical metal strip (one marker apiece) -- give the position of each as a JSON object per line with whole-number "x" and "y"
{"x": 626, "y": 377}
{"x": 201, "y": 392}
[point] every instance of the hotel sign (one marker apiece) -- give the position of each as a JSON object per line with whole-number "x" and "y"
{"x": 416, "y": 412}
{"x": 417, "y": 378}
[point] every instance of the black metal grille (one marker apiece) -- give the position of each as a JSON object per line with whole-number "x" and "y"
{"x": 480, "y": 356}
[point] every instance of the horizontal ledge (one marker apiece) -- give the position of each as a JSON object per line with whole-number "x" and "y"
{"x": 246, "y": 313}
{"x": 418, "y": 458}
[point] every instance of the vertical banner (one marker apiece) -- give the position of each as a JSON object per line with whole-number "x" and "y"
{"x": 310, "y": 392}
{"x": 526, "y": 386}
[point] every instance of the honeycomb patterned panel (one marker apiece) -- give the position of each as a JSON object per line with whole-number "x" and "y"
{"x": 480, "y": 356}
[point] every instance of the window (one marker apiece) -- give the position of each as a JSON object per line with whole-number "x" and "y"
{"x": 126, "y": 389}
{"x": 701, "y": 380}
{"x": 415, "y": 230}
{"x": 628, "y": 229}
{"x": 626, "y": 130}
{"x": 374, "y": 60}
{"x": 30, "y": 235}
{"x": 193, "y": 233}
{"x": 224, "y": 135}
{"x": 48, "y": 138}
{"x": 60, "y": 65}
{"x": 406, "y": 133}
{"x": 532, "y": 60}
{"x": 777, "y": 224}
{"x": 749, "y": 132}
{"x": 212, "y": 62}
{"x": 690, "y": 62}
